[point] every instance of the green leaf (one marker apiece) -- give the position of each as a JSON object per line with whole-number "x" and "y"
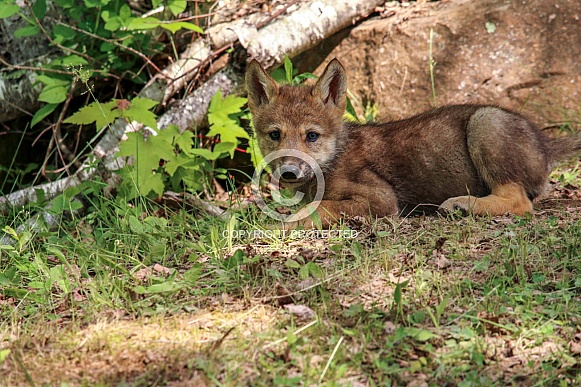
{"x": 193, "y": 274}
{"x": 39, "y": 8}
{"x": 53, "y": 94}
{"x": 71, "y": 60}
{"x": 421, "y": 334}
{"x": 172, "y": 164}
{"x": 65, "y": 3}
{"x": 42, "y": 113}
{"x": 106, "y": 47}
{"x": 4, "y": 354}
{"x": 176, "y": 6}
{"x": 490, "y": 27}
{"x": 224, "y": 147}
{"x": 254, "y": 150}
{"x": 113, "y": 24}
{"x": 139, "y": 111}
{"x": 50, "y": 81}
{"x": 96, "y": 3}
{"x": 291, "y": 263}
{"x": 221, "y": 124}
{"x": 147, "y": 155}
{"x": 173, "y": 27}
{"x": 350, "y": 111}
{"x": 301, "y": 77}
{"x": 288, "y": 69}
{"x": 100, "y": 113}
{"x": 29, "y": 30}
{"x": 143, "y": 23}
{"x": 8, "y": 10}
{"x": 10, "y": 231}
{"x": 164, "y": 287}
{"x": 184, "y": 140}
{"x": 63, "y": 33}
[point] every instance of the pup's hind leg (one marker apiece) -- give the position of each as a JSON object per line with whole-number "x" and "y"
{"x": 511, "y": 157}
{"x": 505, "y": 198}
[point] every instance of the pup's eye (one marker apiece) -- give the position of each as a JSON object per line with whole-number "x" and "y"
{"x": 274, "y": 135}
{"x": 312, "y": 136}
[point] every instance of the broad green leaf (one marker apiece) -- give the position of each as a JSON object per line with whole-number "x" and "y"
{"x": 142, "y": 103}
{"x": 147, "y": 156}
{"x": 205, "y": 153}
{"x": 8, "y": 10}
{"x": 42, "y": 113}
{"x": 176, "y": 6}
{"x": 4, "y": 354}
{"x": 291, "y": 263}
{"x": 96, "y": 3}
{"x": 50, "y": 81}
{"x": 100, "y": 113}
{"x": 113, "y": 24}
{"x": 139, "y": 111}
{"x": 10, "y": 231}
{"x": 125, "y": 12}
{"x": 62, "y": 33}
{"x": 169, "y": 286}
{"x": 191, "y": 179}
{"x": 106, "y": 47}
{"x": 143, "y": 23}
{"x": 29, "y": 30}
{"x": 193, "y": 274}
{"x": 173, "y": 163}
{"x": 173, "y": 27}
{"x": 184, "y": 140}
{"x": 71, "y": 60}
{"x": 224, "y": 147}
{"x": 39, "y": 8}
{"x": 221, "y": 124}
{"x": 53, "y": 94}
{"x": 65, "y": 3}
{"x": 421, "y": 334}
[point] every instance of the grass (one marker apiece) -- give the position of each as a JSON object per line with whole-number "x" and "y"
{"x": 137, "y": 295}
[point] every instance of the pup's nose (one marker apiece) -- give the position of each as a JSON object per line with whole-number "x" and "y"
{"x": 290, "y": 172}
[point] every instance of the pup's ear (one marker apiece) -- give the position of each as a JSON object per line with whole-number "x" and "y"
{"x": 332, "y": 85}
{"x": 261, "y": 87}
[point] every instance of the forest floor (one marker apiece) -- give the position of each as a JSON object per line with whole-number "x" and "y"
{"x": 128, "y": 296}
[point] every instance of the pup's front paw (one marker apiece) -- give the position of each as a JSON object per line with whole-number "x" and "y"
{"x": 464, "y": 204}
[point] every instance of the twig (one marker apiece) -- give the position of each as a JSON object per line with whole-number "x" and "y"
{"x": 221, "y": 340}
{"x": 18, "y": 67}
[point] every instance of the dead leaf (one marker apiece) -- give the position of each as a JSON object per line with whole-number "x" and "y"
{"x": 389, "y": 327}
{"x": 439, "y": 260}
{"x": 161, "y": 269}
{"x": 302, "y": 312}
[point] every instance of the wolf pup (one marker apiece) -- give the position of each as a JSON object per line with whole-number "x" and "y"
{"x": 478, "y": 159}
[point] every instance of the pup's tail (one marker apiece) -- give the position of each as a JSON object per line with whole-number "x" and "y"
{"x": 563, "y": 147}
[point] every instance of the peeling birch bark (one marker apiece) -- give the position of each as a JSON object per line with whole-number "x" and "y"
{"x": 302, "y": 29}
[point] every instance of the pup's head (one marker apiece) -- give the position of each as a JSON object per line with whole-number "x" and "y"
{"x": 303, "y": 118}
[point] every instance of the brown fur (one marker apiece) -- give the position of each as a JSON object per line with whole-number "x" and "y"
{"x": 480, "y": 159}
